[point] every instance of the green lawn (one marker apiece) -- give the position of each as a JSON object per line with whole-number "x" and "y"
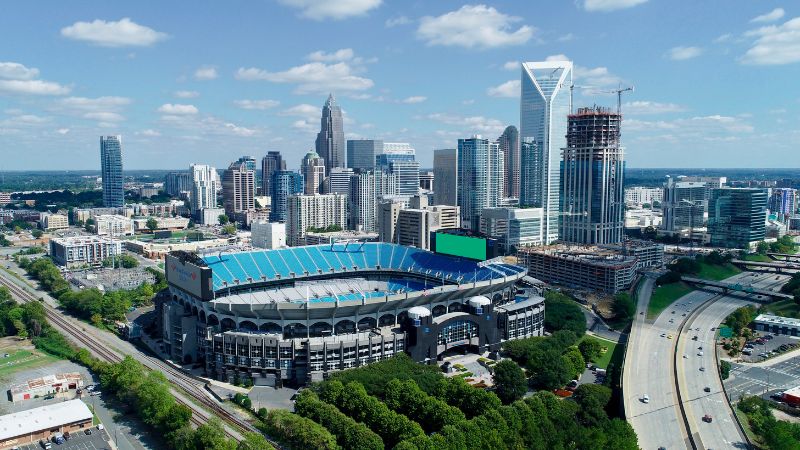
{"x": 665, "y": 295}
{"x": 755, "y": 257}
{"x": 22, "y": 359}
{"x": 786, "y": 308}
{"x": 716, "y": 273}
{"x": 611, "y": 353}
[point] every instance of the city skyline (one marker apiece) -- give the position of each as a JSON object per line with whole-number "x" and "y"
{"x": 218, "y": 99}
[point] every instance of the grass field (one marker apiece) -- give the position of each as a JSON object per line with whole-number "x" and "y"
{"x": 755, "y": 257}
{"x": 716, "y": 273}
{"x": 22, "y": 359}
{"x": 786, "y": 308}
{"x": 665, "y": 295}
{"x": 611, "y": 353}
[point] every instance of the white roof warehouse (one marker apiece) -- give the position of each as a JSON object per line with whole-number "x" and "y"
{"x": 28, "y": 426}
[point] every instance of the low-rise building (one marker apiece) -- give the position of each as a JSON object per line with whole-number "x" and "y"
{"x": 49, "y": 384}
{"x": 52, "y": 222}
{"x": 769, "y": 323}
{"x": 113, "y": 225}
{"x": 27, "y": 427}
{"x": 162, "y": 223}
{"x": 268, "y": 234}
{"x": 639, "y": 195}
{"x": 210, "y": 216}
{"x": 157, "y": 250}
{"x": 5, "y": 198}
{"x": 83, "y": 250}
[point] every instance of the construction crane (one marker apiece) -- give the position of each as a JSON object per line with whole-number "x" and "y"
{"x": 617, "y": 91}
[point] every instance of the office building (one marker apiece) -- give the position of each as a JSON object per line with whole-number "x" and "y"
{"x": 783, "y": 202}
{"x": 531, "y": 174}
{"x": 52, "y": 222}
{"x": 318, "y": 211}
{"x": 248, "y": 161}
{"x": 386, "y": 218}
{"x": 399, "y": 159}
{"x": 509, "y": 145}
{"x": 113, "y": 225}
{"x": 414, "y": 226}
{"x": 270, "y": 235}
{"x": 684, "y": 206}
{"x": 80, "y": 251}
{"x": 449, "y": 216}
{"x": 445, "y": 172}
{"x": 513, "y": 227}
{"x": 270, "y": 163}
{"x": 330, "y": 140}
{"x": 111, "y": 171}
{"x": 592, "y": 172}
{"x": 640, "y": 195}
{"x": 338, "y": 180}
{"x": 5, "y": 199}
{"x": 284, "y": 183}
{"x": 313, "y": 170}
{"x": 204, "y": 187}
{"x": 177, "y": 184}
{"x": 239, "y": 187}
{"x": 361, "y": 153}
{"x": 426, "y": 180}
{"x": 162, "y": 223}
{"x": 737, "y": 217}
{"x": 480, "y": 180}
{"x": 210, "y": 216}
{"x": 544, "y": 105}
{"x": 712, "y": 182}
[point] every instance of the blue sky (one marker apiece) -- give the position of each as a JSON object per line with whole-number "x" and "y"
{"x": 208, "y": 81}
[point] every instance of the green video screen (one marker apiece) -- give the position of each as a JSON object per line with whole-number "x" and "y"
{"x": 465, "y": 246}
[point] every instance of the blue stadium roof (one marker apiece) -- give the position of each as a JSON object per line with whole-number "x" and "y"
{"x": 237, "y": 269}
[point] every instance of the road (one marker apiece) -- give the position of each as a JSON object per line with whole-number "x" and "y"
{"x": 651, "y": 362}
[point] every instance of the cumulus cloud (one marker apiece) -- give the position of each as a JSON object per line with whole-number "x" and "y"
{"x": 468, "y": 124}
{"x": 62, "y": 130}
{"x": 94, "y": 104}
{"x": 239, "y": 130}
{"x": 150, "y": 133}
{"x": 597, "y": 77}
{"x": 511, "y": 65}
{"x": 308, "y": 112}
{"x": 314, "y": 77}
{"x": 17, "y": 71}
{"x": 414, "y": 99}
{"x": 474, "y": 26}
{"x": 397, "y": 21}
{"x": 206, "y": 73}
{"x": 558, "y": 57}
{"x": 610, "y": 5}
{"x": 647, "y": 107}
{"x": 337, "y": 10}
{"x": 684, "y": 53}
{"x": 177, "y": 109}
{"x": 104, "y": 116}
{"x": 187, "y": 94}
{"x": 771, "y": 16}
{"x": 344, "y": 54}
{"x": 774, "y": 44}
{"x": 33, "y": 87}
{"x": 509, "y": 89}
{"x": 256, "y": 104}
{"x": 123, "y": 33}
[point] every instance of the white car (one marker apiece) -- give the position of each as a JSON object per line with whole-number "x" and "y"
{"x": 645, "y": 398}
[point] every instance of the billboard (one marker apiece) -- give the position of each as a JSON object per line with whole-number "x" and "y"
{"x": 192, "y": 278}
{"x": 465, "y": 246}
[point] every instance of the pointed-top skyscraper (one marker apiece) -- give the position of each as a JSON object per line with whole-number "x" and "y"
{"x": 330, "y": 140}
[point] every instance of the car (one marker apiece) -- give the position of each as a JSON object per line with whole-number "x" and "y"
{"x": 100, "y": 425}
{"x": 699, "y": 353}
{"x": 694, "y": 338}
{"x": 671, "y": 320}
{"x": 87, "y": 431}
{"x": 669, "y": 336}
{"x": 706, "y": 389}
{"x": 663, "y": 334}
{"x": 46, "y": 445}
{"x": 707, "y": 418}
{"x": 702, "y": 369}
{"x": 673, "y": 312}
{"x": 67, "y": 436}
{"x": 645, "y": 398}
{"x": 778, "y": 278}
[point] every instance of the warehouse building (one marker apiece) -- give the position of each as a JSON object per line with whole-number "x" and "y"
{"x": 777, "y": 324}
{"x": 27, "y": 427}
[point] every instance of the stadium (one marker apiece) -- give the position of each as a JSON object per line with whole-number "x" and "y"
{"x": 292, "y": 315}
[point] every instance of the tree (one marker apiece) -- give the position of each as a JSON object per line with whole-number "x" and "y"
{"x": 590, "y": 349}
{"x": 229, "y": 229}
{"x": 762, "y": 248}
{"x": 592, "y": 399}
{"x": 509, "y": 381}
{"x": 624, "y": 307}
{"x": 89, "y": 225}
{"x": 563, "y": 314}
{"x": 223, "y": 219}
{"x": 211, "y": 436}
{"x": 254, "y": 441}
{"x": 575, "y": 360}
{"x": 297, "y": 431}
{"x": 152, "y": 224}
{"x": 37, "y": 233}
{"x": 724, "y": 369}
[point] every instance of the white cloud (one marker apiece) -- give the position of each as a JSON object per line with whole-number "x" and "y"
{"x": 596, "y": 77}
{"x": 104, "y": 116}
{"x": 113, "y": 34}
{"x": 684, "y": 53}
{"x": 647, "y": 107}
{"x": 566, "y": 38}
{"x": 327, "y": 9}
{"x": 94, "y": 104}
{"x": 470, "y": 124}
{"x": 693, "y": 127}
{"x": 17, "y": 71}
{"x": 304, "y": 126}
{"x": 610, "y": 5}
{"x": 771, "y": 16}
{"x": 774, "y": 44}
{"x": 309, "y": 113}
{"x": 150, "y": 133}
{"x": 62, "y": 130}
{"x": 509, "y": 89}
{"x": 511, "y": 65}
{"x": 558, "y": 57}
{"x": 396, "y": 21}
{"x": 206, "y": 73}
{"x": 256, "y": 104}
{"x": 177, "y": 109}
{"x": 238, "y": 130}
{"x": 723, "y": 38}
{"x": 314, "y": 77}
{"x": 344, "y": 54}
{"x": 33, "y": 87}
{"x": 187, "y": 94}
{"x": 414, "y": 99}
{"x": 473, "y": 26}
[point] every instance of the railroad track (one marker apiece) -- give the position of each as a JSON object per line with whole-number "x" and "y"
{"x": 179, "y": 379}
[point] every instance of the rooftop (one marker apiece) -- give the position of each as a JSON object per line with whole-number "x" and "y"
{"x": 46, "y": 380}
{"x": 43, "y": 418}
{"x": 778, "y": 320}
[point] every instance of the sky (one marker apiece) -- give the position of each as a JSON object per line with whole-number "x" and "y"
{"x": 208, "y": 81}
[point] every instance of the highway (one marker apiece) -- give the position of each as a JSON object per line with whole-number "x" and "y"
{"x": 108, "y": 347}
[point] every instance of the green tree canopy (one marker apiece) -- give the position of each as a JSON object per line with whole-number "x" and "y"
{"x": 509, "y": 381}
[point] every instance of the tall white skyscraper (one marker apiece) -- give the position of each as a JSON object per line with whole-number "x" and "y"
{"x": 544, "y": 106}
{"x": 367, "y": 189}
{"x": 313, "y": 170}
{"x": 111, "y": 171}
{"x": 204, "y": 187}
{"x": 480, "y": 178}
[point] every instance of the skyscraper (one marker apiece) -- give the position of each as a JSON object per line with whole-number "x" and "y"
{"x": 330, "y": 140}
{"x": 248, "y": 161}
{"x": 367, "y": 189}
{"x": 177, "y": 182}
{"x": 445, "y": 174}
{"x": 204, "y": 187}
{"x": 270, "y": 163}
{"x": 509, "y": 144}
{"x": 313, "y": 170}
{"x": 313, "y": 211}
{"x": 737, "y": 217}
{"x": 239, "y": 186}
{"x": 338, "y": 180}
{"x": 284, "y": 184}
{"x": 783, "y": 202}
{"x": 592, "y": 171}
{"x": 399, "y": 159}
{"x": 361, "y": 153}
{"x": 479, "y": 179}
{"x": 531, "y": 174}
{"x": 544, "y": 106}
{"x": 684, "y": 206}
{"x": 111, "y": 171}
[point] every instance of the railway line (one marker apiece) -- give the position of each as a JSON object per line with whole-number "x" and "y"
{"x": 183, "y": 383}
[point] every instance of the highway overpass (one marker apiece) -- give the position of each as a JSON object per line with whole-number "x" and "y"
{"x": 738, "y": 287}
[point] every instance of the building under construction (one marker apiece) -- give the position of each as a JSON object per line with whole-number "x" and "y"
{"x": 592, "y": 171}
{"x": 583, "y": 267}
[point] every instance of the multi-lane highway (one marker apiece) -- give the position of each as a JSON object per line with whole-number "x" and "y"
{"x": 668, "y": 416}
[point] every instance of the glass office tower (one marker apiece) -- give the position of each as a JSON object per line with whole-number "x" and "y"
{"x": 111, "y": 171}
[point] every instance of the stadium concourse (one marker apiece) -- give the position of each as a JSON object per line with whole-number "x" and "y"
{"x": 291, "y": 315}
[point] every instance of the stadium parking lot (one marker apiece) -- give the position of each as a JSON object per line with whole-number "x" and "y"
{"x": 772, "y": 346}
{"x": 748, "y": 379}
